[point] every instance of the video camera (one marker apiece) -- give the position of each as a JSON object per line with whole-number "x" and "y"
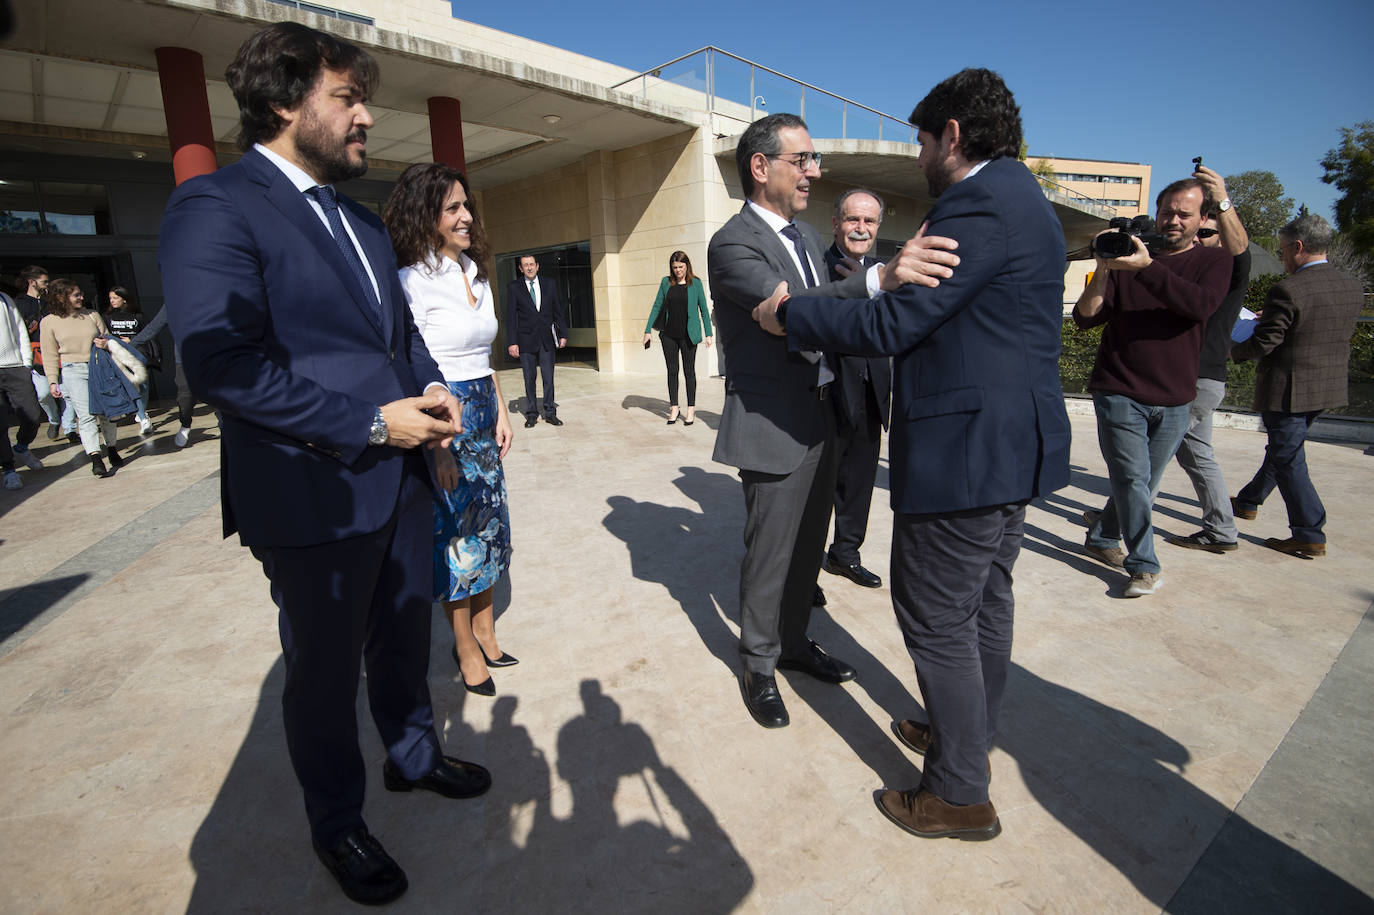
{"x": 1110, "y": 245}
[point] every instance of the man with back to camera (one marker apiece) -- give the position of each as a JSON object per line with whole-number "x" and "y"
{"x": 776, "y": 426}
{"x": 863, "y": 391}
{"x": 287, "y": 303}
{"x": 17, "y": 397}
{"x": 1154, "y": 309}
{"x": 1302, "y": 341}
{"x": 979, "y": 429}
{"x": 535, "y": 328}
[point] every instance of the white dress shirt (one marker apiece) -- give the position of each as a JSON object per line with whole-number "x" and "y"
{"x": 457, "y": 334}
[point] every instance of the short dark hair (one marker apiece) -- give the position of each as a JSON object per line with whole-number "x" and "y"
{"x": 680, "y": 257}
{"x": 31, "y": 273}
{"x": 989, "y": 119}
{"x": 1178, "y": 187}
{"x": 278, "y": 66}
{"x": 839, "y": 201}
{"x": 1310, "y": 229}
{"x": 761, "y": 137}
{"x": 412, "y": 215}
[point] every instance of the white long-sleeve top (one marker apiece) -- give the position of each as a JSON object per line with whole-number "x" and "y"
{"x": 457, "y": 334}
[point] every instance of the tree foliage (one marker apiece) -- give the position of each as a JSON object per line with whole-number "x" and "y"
{"x": 1350, "y": 167}
{"x": 1259, "y": 202}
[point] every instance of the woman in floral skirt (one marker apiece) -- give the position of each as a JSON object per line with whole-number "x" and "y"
{"x": 434, "y": 229}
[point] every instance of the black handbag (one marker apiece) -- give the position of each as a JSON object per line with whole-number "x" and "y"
{"x": 152, "y": 351}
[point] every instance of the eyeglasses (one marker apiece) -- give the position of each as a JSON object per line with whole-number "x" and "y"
{"x": 803, "y": 161}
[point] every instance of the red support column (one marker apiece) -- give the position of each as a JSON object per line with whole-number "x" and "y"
{"x": 186, "y": 107}
{"x": 446, "y": 132}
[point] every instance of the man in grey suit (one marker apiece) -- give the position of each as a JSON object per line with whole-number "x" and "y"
{"x": 1302, "y": 341}
{"x": 776, "y": 426}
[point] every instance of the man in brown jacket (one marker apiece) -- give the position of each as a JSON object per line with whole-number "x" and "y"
{"x": 1302, "y": 341}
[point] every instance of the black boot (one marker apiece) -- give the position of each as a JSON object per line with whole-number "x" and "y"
{"x": 115, "y": 460}
{"x": 98, "y": 467}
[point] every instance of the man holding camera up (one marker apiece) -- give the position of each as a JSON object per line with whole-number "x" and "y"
{"x": 1154, "y": 301}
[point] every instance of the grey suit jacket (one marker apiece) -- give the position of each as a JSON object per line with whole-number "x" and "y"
{"x": 1302, "y": 341}
{"x": 771, "y": 415}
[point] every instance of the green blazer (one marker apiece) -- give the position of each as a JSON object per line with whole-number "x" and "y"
{"x": 696, "y": 305}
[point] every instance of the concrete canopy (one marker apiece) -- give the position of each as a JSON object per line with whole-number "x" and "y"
{"x": 81, "y": 72}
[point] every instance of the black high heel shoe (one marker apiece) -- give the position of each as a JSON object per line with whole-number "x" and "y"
{"x": 504, "y": 661}
{"x": 672, "y": 420}
{"x": 486, "y": 688}
{"x": 688, "y": 422}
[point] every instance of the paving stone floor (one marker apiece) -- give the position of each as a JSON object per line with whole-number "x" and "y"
{"x": 1204, "y": 749}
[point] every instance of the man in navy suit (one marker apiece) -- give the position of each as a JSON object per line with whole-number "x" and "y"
{"x": 978, "y": 430}
{"x": 285, "y": 298}
{"x": 535, "y": 327}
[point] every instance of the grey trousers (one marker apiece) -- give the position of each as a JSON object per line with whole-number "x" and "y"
{"x": 787, "y": 517}
{"x": 1197, "y": 460}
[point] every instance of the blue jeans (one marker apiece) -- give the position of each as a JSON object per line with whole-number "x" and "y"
{"x": 1138, "y": 441}
{"x": 1285, "y": 466}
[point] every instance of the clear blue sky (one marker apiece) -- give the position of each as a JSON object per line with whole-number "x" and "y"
{"x": 1245, "y": 85}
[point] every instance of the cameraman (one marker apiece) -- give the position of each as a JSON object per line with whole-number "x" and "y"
{"x": 1153, "y": 306}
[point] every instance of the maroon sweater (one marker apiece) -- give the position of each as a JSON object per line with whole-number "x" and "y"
{"x": 1155, "y": 320}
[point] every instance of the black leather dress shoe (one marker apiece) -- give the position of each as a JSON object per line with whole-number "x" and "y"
{"x": 855, "y": 573}
{"x": 761, "y": 698}
{"x": 451, "y": 778}
{"x": 819, "y": 665}
{"x": 553, "y": 420}
{"x": 366, "y": 873}
{"x": 529, "y": 422}
{"x": 818, "y": 597}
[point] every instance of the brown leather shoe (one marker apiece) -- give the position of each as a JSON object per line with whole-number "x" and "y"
{"x": 1113, "y": 556}
{"x": 1239, "y": 510}
{"x": 922, "y": 813}
{"x": 1296, "y": 547}
{"x": 913, "y": 735}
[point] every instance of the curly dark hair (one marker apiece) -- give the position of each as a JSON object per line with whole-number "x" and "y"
{"x": 680, "y": 257}
{"x": 278, "y": 66}
{"x": 989, "y": 119}
{"x": 58, "y": 297}
{"x": 412, "y": 214}
{"x": 761, "y": 137}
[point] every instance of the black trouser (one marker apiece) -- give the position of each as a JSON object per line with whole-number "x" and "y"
{"x": 856, "y": 457}
{"x": 672, "y": 346}
{"x": 951, "y": 589}
{"x": 543, "y": 362}
{"x": 185, "y": 399}
{"x": 17, "y": 400}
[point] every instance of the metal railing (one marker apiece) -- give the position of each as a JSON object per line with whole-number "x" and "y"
{"x": 739, "y": 89}
{"x": 1053, "y": 189}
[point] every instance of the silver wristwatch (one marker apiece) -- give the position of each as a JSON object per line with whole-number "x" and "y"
{"x": 378, "y": 435}
{"x": 1224, "y": 205}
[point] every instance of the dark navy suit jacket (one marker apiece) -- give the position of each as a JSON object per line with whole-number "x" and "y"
{"x": 977, "y": 414}
{"x": 276, "y": 335}
{"x": 530, "y": 328}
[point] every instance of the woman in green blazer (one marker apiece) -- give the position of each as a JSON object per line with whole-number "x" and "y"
{"x": 679, "y": 314}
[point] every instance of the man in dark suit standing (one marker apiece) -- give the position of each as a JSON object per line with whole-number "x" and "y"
{"x": 979, "y": 430}
{"x": 776, "y": 425}
{"x": 1302, "y": 341}
{"x": 285, "y": 298}
{"x": 863, "y": 391}
{"x": 535, "y": 327}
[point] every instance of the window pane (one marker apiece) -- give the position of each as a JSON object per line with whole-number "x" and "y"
{"x": 75, "y": 209}
{"x": 18, "y": 208}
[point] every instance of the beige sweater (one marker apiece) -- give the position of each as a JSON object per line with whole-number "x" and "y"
{"x": 68, "y": 340}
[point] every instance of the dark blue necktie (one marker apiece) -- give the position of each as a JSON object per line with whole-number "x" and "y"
{"x": 794, "y": 235}
{"x": 329, "y": 202}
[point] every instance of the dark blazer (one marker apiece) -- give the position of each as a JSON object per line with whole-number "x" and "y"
{"x": 530, "y": 328}
{"x": 697, "y": 312}
{"x": 849, "y": 398}
{"x": 1302, "y": 341}
{"x": 770, "y": 419}
{"x": 977, "y": 414}
{"x": 275, "y": 335}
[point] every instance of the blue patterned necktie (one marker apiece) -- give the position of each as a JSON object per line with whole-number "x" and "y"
{"x": 794, "y": 235}
{"x": 329, "y": 202}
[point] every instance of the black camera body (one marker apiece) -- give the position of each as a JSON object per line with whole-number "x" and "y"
{"x": 1113, "y": 244}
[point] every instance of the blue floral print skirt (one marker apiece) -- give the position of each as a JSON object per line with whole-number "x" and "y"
{"x": 471, "y": 522}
